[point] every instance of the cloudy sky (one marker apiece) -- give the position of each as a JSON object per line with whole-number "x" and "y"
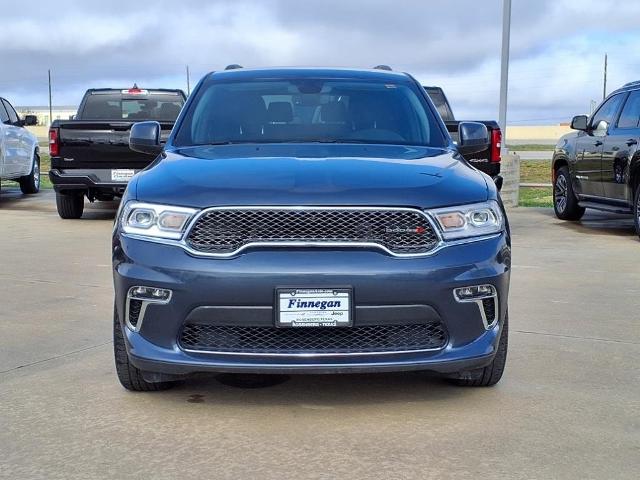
{"x": 557, "y": 46}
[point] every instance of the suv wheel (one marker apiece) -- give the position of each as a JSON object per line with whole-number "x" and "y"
{"x": 31, "y": 183}
{"x": 70, "y": 205}
{"x": 130, "y": 377}
{"x": 636, "y": 209}
{"x": 565, "y": 202}
{"x": 492, "y": 373}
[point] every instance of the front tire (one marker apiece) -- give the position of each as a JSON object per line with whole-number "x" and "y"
{"x": 565, "y": 202}
{"x": 31, "y": 183}
{"x": 70, "y": 205}
{"x": 130, "y": 377}
{"x": 492, "y": 373}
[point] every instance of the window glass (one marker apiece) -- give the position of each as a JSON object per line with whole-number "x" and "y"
{"x": 162, "y": 107}
{"x": 607, "y": 111}
{"x": 309, "y": 110}
{"x": 4, "y": 116}
{"x": 631, "y": 112}
{"x": 13, "y": 116}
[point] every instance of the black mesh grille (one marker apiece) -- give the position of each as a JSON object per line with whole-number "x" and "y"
{"x": 226, "y": 231}
{"x": 134, "y": 311}
{"x": 370, "y": 338}
{"x": 489, "y": 306}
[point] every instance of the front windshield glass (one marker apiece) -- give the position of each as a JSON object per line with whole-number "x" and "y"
{"x": 309, "y": 110}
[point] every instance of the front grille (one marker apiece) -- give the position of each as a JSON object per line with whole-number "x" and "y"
{"x": 309, "y": 340}
{"x": 225, "y": 231}
{"x": 489, "y": 307}
{"x": 134, "y": 311}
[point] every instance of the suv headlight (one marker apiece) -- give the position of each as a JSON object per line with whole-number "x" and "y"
{"x": 474, "y": 220}
{"x": 155, "y": 221}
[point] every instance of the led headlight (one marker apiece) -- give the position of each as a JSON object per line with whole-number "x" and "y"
{"x": 474, "y": 220}
{"x": 156, "y": 221}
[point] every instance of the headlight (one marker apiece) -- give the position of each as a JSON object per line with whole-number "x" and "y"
{"x": 466, "y": 221}
{"x": 157, "y": 221}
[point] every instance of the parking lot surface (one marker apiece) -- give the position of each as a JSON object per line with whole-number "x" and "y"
{"x": 567, "y": 407}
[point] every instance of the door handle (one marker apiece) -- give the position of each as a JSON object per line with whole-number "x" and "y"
{"x": 631, "y": 141}
{"x": 597, "y": 143}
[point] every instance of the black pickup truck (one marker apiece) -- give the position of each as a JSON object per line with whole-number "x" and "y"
{"x": 90, "y": 155}
{"x": 487, "y": 161}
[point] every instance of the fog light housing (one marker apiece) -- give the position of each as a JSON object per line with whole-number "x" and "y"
{"x": 485, "y": 297}
{"x": 473, "y": 293}
{"x": 138, "y": 299}
{"x": 151, "y": 294}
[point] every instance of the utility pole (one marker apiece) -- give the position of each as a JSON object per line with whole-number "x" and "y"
{"x": 504, "y": 68}
{"x": 604, "y": 88}
{"x": 188, "y": 82}
{"x": 50, "y": 106}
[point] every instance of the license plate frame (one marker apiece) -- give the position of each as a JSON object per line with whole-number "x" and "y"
{"x": 122, "y": 174}
{"x": 305, "y": 316}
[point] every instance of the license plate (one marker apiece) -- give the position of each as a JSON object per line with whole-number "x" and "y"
{"x": 313, "y": 307}
{"x": 122, "y": 174}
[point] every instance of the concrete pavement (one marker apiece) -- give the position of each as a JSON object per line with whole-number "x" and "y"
{"x": 568, "y": 406}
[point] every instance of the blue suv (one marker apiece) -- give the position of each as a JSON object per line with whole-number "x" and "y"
{"x": 306, "y": 220}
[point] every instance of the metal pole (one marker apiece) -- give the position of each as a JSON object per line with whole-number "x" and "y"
{"x": 604, "y": 87}
{"x": 188, "y": 82}
{"x": 504, "y": 68}
{"x": 50, "y": 107}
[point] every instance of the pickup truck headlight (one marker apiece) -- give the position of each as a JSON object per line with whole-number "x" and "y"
{"x": 155, "y": 221}
{"x": 474, "y": 220}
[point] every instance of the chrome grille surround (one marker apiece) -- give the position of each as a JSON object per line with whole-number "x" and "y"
{"x": 225, "y": 231}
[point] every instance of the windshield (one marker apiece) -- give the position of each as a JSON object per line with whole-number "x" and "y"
{"x": 161, "y": 107}
{"x": 309, "y": 110}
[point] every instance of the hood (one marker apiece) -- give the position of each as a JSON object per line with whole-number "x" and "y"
{"x": 311, "y": 174}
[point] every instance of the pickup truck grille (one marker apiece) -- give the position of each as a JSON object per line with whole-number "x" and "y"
{"x": 313, "y": 340}
{"x": 225, "y": 231}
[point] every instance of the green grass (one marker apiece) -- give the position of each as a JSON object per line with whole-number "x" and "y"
{"x": 536, "y": 197}
{"x": 529, "y": 147}
{"x": 535, "y": 171}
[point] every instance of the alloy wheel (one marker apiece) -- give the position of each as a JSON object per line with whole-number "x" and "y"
{"x": 560, "y": 193}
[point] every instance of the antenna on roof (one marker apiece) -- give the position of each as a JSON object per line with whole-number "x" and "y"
{"x": 135, "y": 86}
{"x": 383, "y": 67}
{"x": 233, "y": 66}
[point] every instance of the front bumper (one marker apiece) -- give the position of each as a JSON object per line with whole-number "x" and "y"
{"x": 249, "y": 280}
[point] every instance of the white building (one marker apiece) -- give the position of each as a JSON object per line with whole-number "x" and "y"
{"x": 61, "y": 112}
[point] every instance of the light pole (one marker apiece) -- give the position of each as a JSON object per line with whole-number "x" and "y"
{"x": 504, "y": 68}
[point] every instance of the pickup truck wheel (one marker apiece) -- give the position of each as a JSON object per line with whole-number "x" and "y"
{"x": 565, "y": 202}
{"x": 70, "y": 205}
{"x": 130, "y": 377}
{"x": 636, "y": 209}
{"x": 492, "y": 373}
{"x": 31, "y": 183}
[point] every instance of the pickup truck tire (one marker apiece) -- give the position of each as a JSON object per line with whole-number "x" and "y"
{"x": 492, "y": 373}
{"x": 636, "y": 209}
{"x": 130, "y": 377}
{"x": 565, "y": 202}
{"x": 70, "y": 205}
{"x": 31, "y": 183}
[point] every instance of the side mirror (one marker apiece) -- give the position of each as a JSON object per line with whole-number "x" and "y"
{"x": 579, "y": 122}
{"x": 145, "y": 138}
{"x": 30, "y": 120}
{"x": 474, "y": 138}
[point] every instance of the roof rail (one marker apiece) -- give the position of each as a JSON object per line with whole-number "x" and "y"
{"x": 630, "y": 84}
{"x": 383, "y": 67}
{"x": 233, "y": 66}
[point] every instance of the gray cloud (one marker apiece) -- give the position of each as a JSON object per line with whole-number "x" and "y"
{"x": 557, "y": 46}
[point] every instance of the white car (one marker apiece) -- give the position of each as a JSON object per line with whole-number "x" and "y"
{"x": 19, "y": 153}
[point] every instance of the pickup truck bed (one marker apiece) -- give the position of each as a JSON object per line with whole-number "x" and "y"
{"x": 90, "y": 155}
